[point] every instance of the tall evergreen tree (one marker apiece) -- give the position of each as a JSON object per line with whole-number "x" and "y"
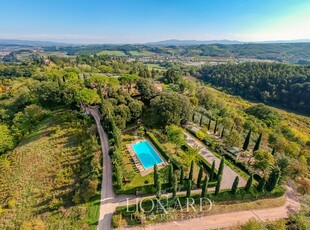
{"x": 209, "y": 124}
{"x": 223, "y": 132}
{"x": 204, "y": 189}
{"x": 181, "y": 175}
{"x": 155, "y": 175}
{"x": 247, "y": 140}
{"x": 199, "y": 176}
{"x": 201, "y": 119}
{"x": 257, "y": 144}
{"x": 191, "y": 171}
{"x": 249, "y": 184}
{"x": 234, "y": 187}
{"x": 221, "y": 167}
{"x": 175, "y": 186}
{"x": 273, "y": 179}
{"x": 189, "y": 188}
{"x": 212, "y": 172}
{"x": 273, "y": 152}
{"x": 193, "y": 118}
{"x": 215, "y": 127}
{"x": 218, "y": 185}
{"x": 170, "y": 174}
{"x": 261, "y": 184}
{"x": 158, "y": 190}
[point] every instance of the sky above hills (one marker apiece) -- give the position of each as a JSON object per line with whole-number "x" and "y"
{"x": 135, "y": 21}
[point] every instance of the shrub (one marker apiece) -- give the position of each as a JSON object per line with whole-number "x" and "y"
{"x": 117, "y": 220}
{"x": 55, "y": 204}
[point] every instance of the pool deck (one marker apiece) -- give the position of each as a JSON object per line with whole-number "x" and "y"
{"x": 143, "y": 171}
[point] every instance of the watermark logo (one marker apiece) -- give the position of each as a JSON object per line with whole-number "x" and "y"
{"x": 168, "y": 209}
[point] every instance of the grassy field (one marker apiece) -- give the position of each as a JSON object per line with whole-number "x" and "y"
{"x": 26, "y": 55}
{"x": 42, "y": 169}
{"x": 141, "y": 53}
{"x": 111, "y": 53}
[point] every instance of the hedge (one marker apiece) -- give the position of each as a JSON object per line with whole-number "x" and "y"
{"x": 163, "y": 152}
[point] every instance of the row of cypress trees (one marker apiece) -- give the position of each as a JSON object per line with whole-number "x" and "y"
{"x": 265, "y": 184}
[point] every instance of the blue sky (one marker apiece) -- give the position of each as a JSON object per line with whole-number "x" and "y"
{"x": 129, "y": 21}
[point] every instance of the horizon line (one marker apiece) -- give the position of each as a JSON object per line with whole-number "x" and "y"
{"x": 301, "y": 40}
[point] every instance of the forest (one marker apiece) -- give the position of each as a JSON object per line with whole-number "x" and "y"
{"x": 280, "y": 84}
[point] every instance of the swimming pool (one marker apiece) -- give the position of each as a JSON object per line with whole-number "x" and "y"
{"x": 147, "y": 154}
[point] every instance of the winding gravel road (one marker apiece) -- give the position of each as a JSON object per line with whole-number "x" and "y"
{"x": 107, "y": 200}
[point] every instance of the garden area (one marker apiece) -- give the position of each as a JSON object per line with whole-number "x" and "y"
{"x": 183, "y": 157}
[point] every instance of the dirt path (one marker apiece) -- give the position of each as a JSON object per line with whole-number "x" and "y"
{"x": 107, "y": 201}
{"x": 228, "y": 174}
{"x": 230, "y": 219}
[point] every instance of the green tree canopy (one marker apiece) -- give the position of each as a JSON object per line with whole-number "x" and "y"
{"x": 171, "y": 108}
{"x": 264, "y": 160}
{"x": 6, "y": 139}
{"x": 88, "y": 96}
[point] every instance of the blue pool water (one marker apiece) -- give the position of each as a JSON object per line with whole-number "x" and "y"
{"x": 147, "y": 154}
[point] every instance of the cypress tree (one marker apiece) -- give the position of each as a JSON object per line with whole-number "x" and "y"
{"x": 212, "y": 171}
{"x": 201, "y": 118}
{"x": 218, "y": 185}
{"x": 191, "y": 171}
{"x": 189, "y": 188}
{"x": 273, "y": 179}
{"x": 249, "y": 184}
{"x": 273, "y": 152}
{"x": 209, "y": 124}
{"x": 158, "y": 190}
{"x": 199, "y": 176}
{"x": 155, "y": 175}
{"x": 257, "y": 144}
{"x": 221, "y": 167}
{"x": 181, "y": 176}
{"x": 261, "y": 184}
{"x": 215, "y": 127}
{"x": 247, "y": 141}
{"x": 170, "y": 174}
{"x": 234, "y": 187}
{"x": 223, "y": 130}
{"x": 193, "y": 118}
{"x": 175, "y": 186}
{"x": 204, "y": 189}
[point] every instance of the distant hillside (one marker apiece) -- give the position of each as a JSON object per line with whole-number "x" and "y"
{"x": 287, "y": 51}
{"x": 14, "y": 42}
{"x": 176, "y": 42}
{"x": 281, "y": 52}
